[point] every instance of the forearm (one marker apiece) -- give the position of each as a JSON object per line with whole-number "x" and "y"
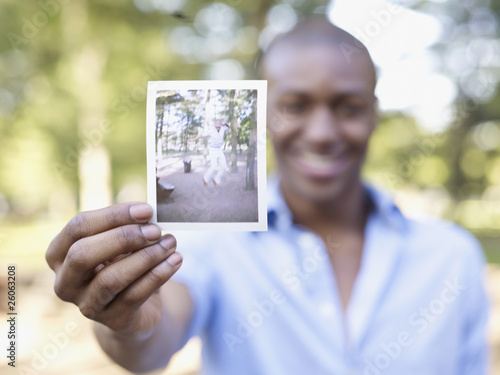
{"x": 141, "y": 354}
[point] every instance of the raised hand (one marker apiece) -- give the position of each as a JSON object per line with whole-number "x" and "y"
{"x": 111, "y": 263}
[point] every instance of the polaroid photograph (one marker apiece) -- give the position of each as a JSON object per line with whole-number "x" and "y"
{"x": 206, "y": 154}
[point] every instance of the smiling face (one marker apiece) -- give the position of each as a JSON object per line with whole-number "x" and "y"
{"x": 321, "y": 113}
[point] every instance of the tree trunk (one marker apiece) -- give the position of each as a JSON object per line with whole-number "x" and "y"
{"x": 208, "y": 113}
{"x": 159, "y": 134}
{"x": 166, "y": 134}
{"x": 234, "y": 133}
{"x": 252, "y": 147}
{"x": 186, "y": 135}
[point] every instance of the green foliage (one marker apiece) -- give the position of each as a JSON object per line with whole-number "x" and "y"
{"x": 73, "y": 77}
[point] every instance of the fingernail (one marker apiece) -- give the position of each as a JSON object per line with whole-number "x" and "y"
{"x": 141, "y": 211}
{"x": 151, "y": 232}
{"x": 175, "y": 259}
{"x": 168, "y": 243}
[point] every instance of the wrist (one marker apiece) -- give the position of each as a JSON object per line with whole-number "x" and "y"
{"x": 125, "y": 337}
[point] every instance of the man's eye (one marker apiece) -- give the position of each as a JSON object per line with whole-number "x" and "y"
{"x": 350, "y": 110}
{"x": 293, "y": 109}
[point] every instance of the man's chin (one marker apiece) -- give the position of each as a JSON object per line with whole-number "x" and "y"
{"x": 324, "y": 197}
{"x": 319, "y": 192}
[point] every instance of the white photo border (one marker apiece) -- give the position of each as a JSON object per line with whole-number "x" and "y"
{"x": 261, "y": 87}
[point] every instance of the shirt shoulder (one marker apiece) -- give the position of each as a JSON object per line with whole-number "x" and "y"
{"x": 429, "y": 237}
{"x": 441, "y": 249}
{"x": 446, "y": 236}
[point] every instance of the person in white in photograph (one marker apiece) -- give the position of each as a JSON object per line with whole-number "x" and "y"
{"x": 217, "y": 158}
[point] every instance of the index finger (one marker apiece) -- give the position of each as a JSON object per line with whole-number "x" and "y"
{"x": 89, "y": 223}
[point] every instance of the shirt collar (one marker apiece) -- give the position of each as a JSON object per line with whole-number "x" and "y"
{"x": 384, "y": 206}
{"x": 279, "y": 215}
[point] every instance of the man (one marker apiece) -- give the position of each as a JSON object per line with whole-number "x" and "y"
{"x": 342, "y": 283}
{"x": 217, "y": 158}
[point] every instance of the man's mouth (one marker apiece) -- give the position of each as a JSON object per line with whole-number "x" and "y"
{"x": 318, "y": 165}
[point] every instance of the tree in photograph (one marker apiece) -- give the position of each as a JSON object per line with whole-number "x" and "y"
{"x": 206, "y": 124}
{"x": 244, "y": 104}
{"x": 160, "y": 114}
{"x": 164, "y": 101}
{"x": 186, "y": 112}
{"x": 233, "y": 121}
{"x": 252, "y": 145}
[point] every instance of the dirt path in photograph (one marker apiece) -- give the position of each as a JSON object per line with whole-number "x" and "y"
{"x": 192, "y": 202}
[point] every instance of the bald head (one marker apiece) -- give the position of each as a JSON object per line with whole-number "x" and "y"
{"x": 321, "y": 110}
{"x": 317, "y": 32}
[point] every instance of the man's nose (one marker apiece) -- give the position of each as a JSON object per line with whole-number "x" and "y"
{"x": 322, "y": 127}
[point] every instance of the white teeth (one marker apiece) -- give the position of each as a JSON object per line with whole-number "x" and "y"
{"x": 317, "y": 160}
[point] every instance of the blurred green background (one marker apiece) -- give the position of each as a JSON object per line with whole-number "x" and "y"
{"x": 73, "y": 76}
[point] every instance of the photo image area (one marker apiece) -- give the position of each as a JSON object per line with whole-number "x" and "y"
{"x": 206, "y": 156}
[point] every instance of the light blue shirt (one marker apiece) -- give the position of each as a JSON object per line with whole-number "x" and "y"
{"x": 267, "y": 302}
